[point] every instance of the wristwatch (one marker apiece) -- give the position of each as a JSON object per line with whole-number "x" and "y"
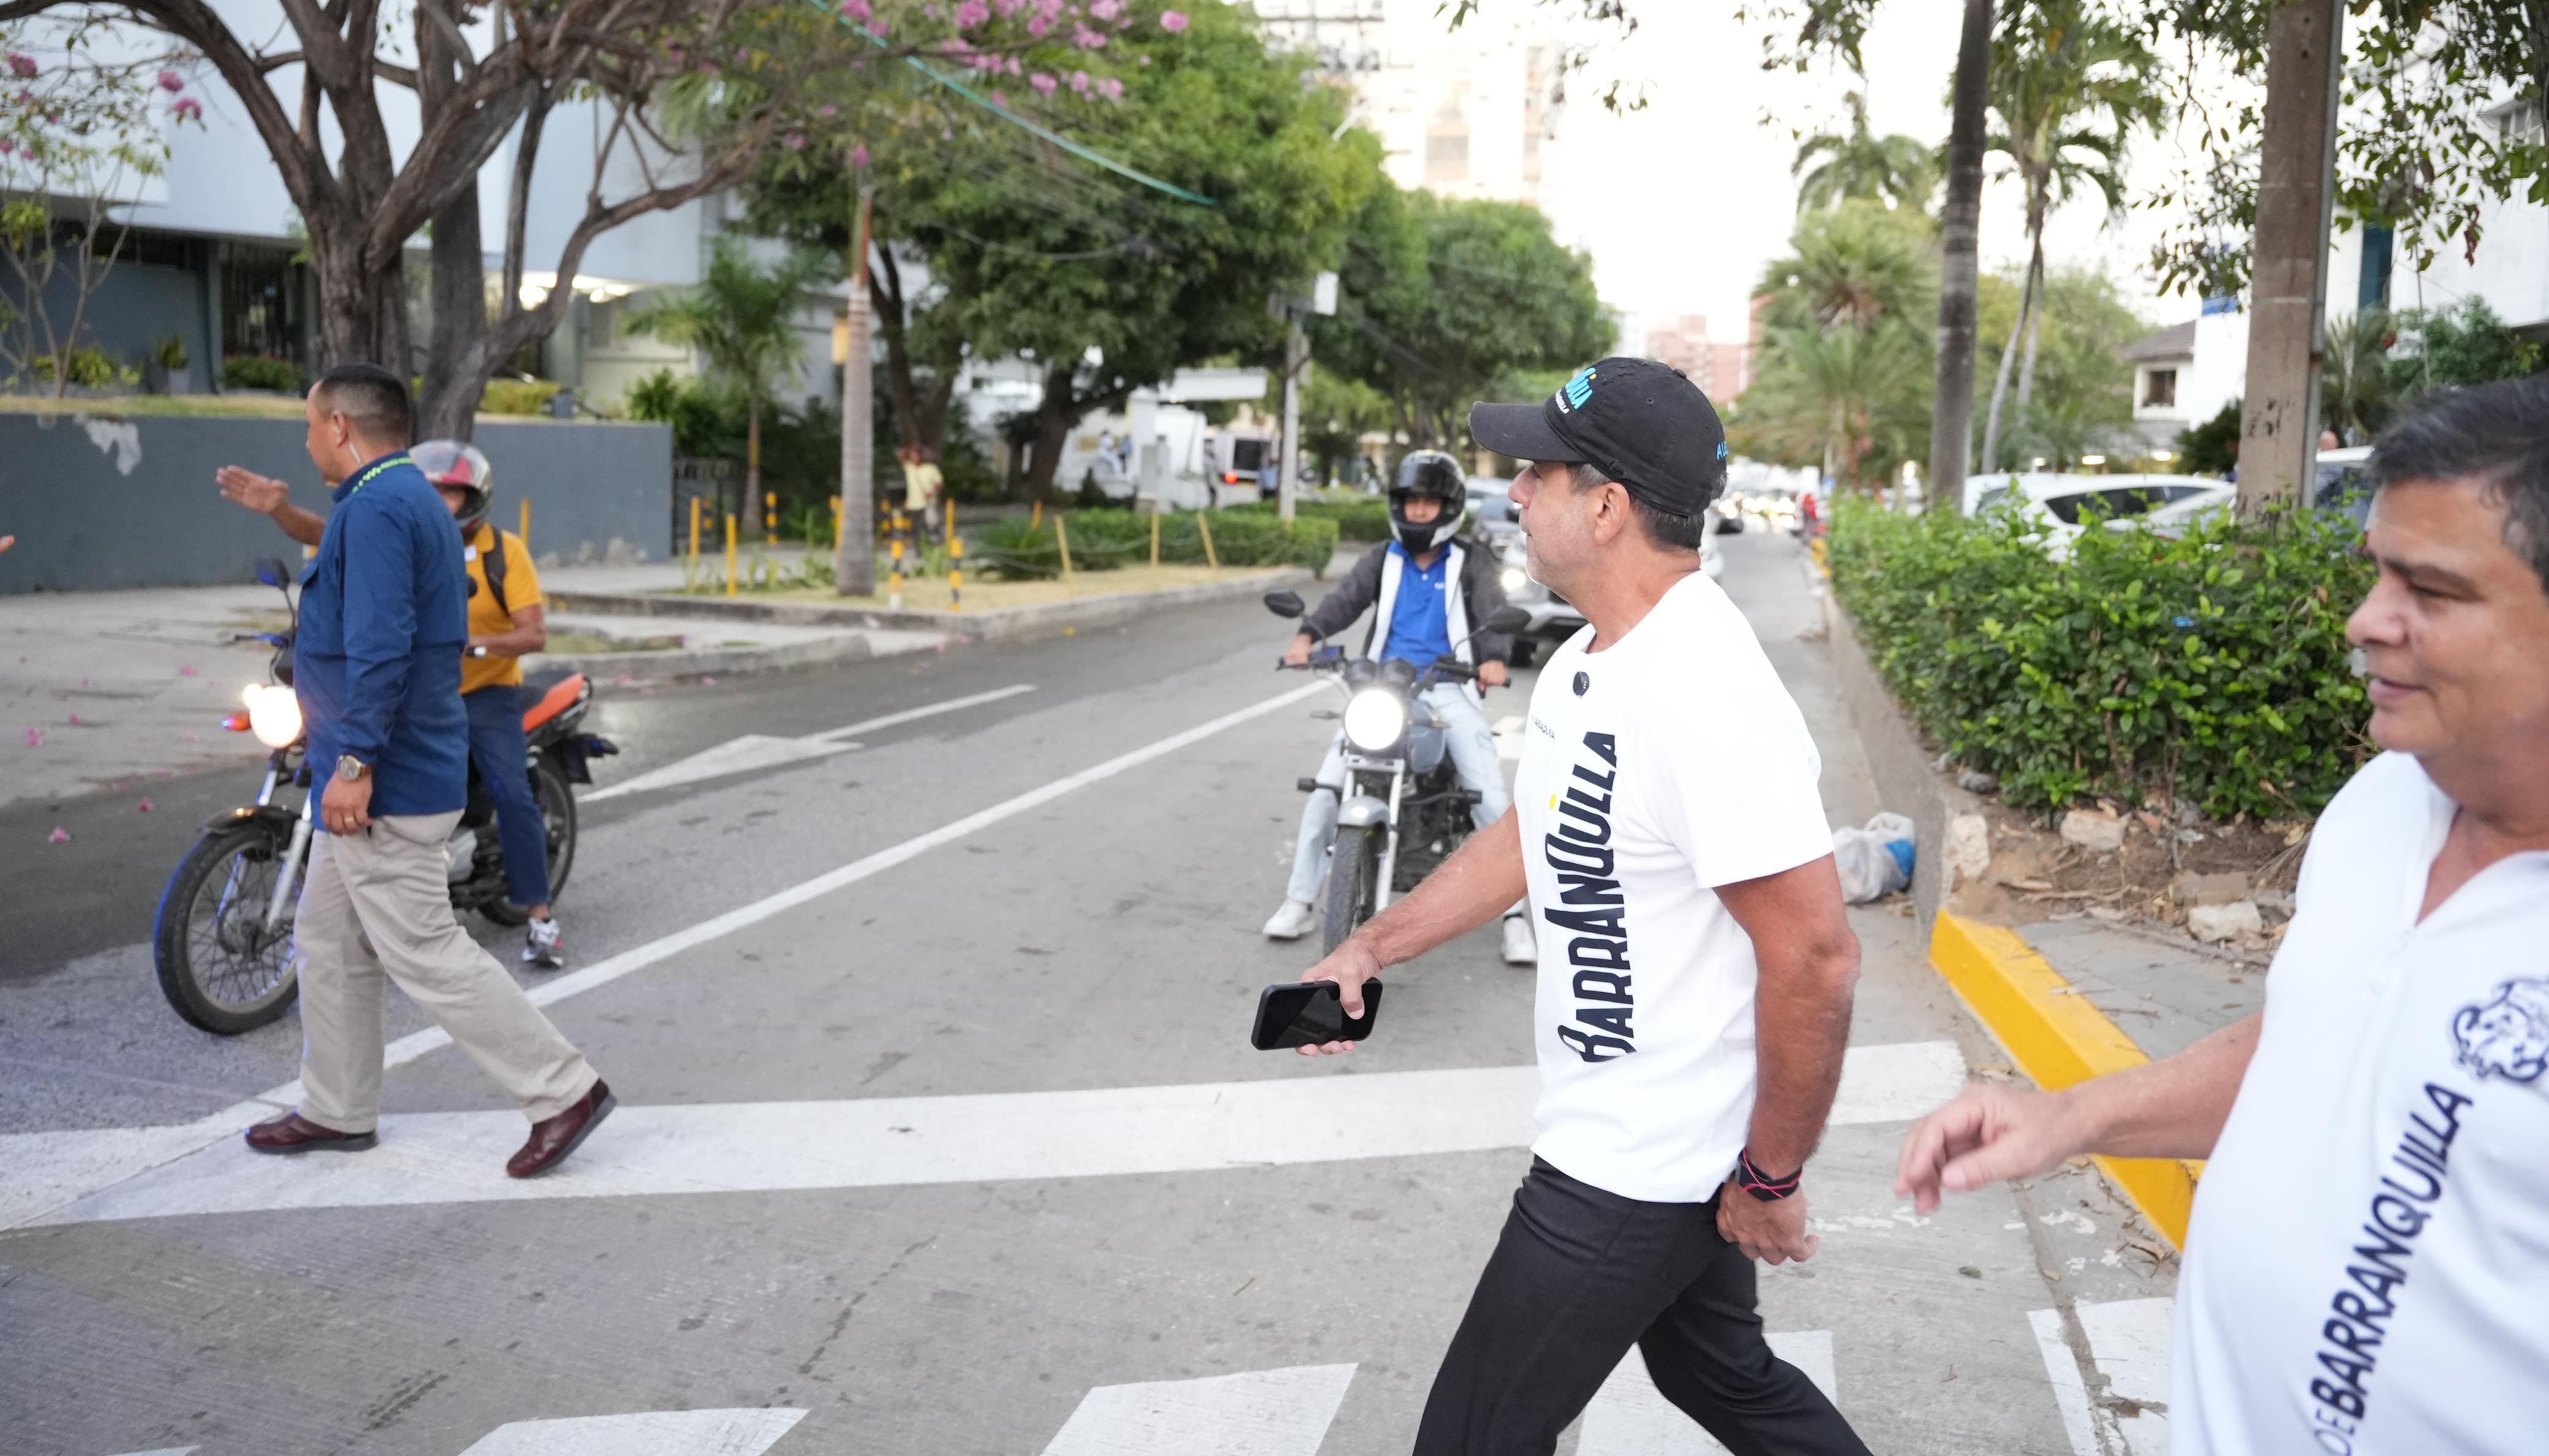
{"x": 352, "y": 770}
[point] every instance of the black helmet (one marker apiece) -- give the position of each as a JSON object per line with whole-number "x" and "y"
{"x": 1428, "y": 473}
{"x": 453, "y": 463}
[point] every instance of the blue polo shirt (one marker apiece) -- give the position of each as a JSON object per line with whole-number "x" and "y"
{"x": 1420, "y": 624}
{"x": 376, "y": 658}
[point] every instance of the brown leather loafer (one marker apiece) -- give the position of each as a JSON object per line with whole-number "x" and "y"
{"x": 293, "y": 1133}
{"x": 552, "y": 1139}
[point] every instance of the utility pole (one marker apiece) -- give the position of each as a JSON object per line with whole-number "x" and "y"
{"x": 2288, "y": 298}
{"x": 854, "y": 559}
{"x": 1951, "y": 414}
{"x": 1296, "y": 363}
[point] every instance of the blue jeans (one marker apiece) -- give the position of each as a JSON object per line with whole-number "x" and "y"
{"x": 497, "y": 747}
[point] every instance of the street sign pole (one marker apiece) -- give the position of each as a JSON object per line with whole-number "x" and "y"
{"x": 854, "y": 557}
{"x": 1296, "y": 362}
{"x": 2288, "y": 300}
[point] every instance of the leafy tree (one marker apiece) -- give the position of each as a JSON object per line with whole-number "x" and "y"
{"x": 1441, "y": 300}
{"x": 2086, "y": 401}
{"x": 1849, "y": 401}
{"x": 1851, "y": 266}
{"x": 1336, "y": 413}
{"x": 2069, "y": 87}
{"x": 2354, "y": 375}
{"x": 2441, "y": 349}
{"x": 2213, "y": 447}
{"x": 1895, "y": 169}
{"x": 742, "y": 319}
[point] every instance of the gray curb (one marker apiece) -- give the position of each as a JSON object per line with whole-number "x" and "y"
{"x": 1900, "y": 762}
{"x": 1014, "y": 621}
{"x": 658, "y": 666}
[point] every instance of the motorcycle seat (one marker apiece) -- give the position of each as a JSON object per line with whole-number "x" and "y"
{"x": 547, "y": 694}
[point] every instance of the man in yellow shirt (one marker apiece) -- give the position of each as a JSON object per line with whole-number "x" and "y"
{"x": 922, "y": 483}
{"x": 507, "y": 621}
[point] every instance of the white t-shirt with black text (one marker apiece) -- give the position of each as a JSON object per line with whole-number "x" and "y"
{"x": 1668, "y": 764}
{"x": 2367, "y": 1269}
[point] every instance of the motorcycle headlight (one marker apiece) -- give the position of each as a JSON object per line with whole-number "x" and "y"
{"x": 1515, "y": 579}
{"x": 273, "y": 714}
{"x": 1374, "y": 720}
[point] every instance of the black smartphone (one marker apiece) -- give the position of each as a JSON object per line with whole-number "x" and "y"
{"x": 1308, "y": 1013}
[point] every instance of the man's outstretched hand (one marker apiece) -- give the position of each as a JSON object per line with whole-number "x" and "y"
{"x": 261, "y": 493}
{"x": 1988, "y": 1135}
{"x": 1348, "y": 965}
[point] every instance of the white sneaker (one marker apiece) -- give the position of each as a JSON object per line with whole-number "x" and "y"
{"x": 1292, "y": 922}
{"x": 1521, "y": 947}
{"x": 544, "y": 947}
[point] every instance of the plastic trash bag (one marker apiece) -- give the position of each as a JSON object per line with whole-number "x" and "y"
{"x": 1874, "y": 862}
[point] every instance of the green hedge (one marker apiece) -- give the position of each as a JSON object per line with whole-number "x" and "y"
{"x": 2213, "y": 667}
{"x": 1104, "y": 540}
{"x": 1356, "y": 517}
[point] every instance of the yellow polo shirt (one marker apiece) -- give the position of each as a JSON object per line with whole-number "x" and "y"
{"x": 486, "y": 618}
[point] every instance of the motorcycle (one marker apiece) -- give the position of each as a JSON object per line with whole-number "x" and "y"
{"x": 1402, "y": 810}
{"x": 221, "y": 942}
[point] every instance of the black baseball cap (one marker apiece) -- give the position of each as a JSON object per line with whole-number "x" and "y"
{"x": 1643, "y": 423}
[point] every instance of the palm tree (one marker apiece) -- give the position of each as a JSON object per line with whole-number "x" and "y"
{"x": 742, "y": 319}
{"x": 1896, "y": 169}
{"x": 2069, "y": 87}
{"x": 2354, "y": 375}
{"x": 1845, "y": 385}
{"x": 1850, "y": 268}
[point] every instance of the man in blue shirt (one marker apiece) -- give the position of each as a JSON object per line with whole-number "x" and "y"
{"x": 1431, "y": 590}
{"x": 376, "y": 665}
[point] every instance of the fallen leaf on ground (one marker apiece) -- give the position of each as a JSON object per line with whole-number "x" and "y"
{"x": 59, "y": 836}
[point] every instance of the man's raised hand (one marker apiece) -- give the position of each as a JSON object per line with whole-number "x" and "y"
{"x": 1986, "y": 1135}
{"x": 261, "y": 493}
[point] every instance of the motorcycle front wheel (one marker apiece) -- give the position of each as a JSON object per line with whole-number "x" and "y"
{"x": 217, "y": 963}
{"x": 1354, "y": 881}
{"x": 557, "y": 817}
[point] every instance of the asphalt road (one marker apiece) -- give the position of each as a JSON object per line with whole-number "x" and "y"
{"x": 940, "y": 1131}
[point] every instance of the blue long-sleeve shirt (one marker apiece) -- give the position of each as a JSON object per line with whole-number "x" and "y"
{"x": 376, "y": 662}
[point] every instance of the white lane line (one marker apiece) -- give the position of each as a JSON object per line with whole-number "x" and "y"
{"x": 878, "y": 1141}
{"x": 1629, "y": 1416}
{"x": 910, "y": 715}
{"x": 746, "y": 1433}
{"x": 756, "y": 751}
{"x": 30, "y": 1183}
{"x": 749, "y": 754}
{"x": 2128, "y": 1348}
{"x": 1258, "y": 1413}
{"x": 167, "y": 1451}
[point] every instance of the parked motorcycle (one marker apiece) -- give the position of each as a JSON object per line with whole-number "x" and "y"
{"x": 222, "y": 941}
{"x": 1402, "y": 811}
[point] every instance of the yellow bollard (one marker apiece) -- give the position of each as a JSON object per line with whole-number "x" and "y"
{"x": 730, "y": 570}
{"x": 1062, "y": 538}
{"x": 955, "y": 573}
{"x": 770, "y": 514}
{"x": 694, "y": 532}
{"x": 836, "y": 526}
{"x": 526, "y": 532}
{"x": 1035, "y": 519}
{"x": 1155, "y": 540}
{"x": 1209, "y": 555}
{"x": 894, "y": 588}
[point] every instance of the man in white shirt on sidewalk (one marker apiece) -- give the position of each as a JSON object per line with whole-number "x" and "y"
{"x": 1695, "y": 962}
{"x": 2367, "y": 1270}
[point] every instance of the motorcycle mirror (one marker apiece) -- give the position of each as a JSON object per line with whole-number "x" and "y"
{"x": 1284, "y": 603}
{"x": 1505, "y": 621}
{"x": 269, "y": 570}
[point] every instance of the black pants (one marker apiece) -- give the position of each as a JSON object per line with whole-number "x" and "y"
{"x": 1578, "y": 1277}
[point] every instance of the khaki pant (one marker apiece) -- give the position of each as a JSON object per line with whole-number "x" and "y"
{"x": 379, "y": 903}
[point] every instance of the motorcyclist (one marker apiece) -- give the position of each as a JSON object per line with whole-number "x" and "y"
{"x": 500, "y": 635}
{"x": 1432, "y": 589}
{"x": 507, "y": 620}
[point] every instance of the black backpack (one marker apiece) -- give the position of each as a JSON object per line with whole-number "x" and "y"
{"x": 491, "y": 563}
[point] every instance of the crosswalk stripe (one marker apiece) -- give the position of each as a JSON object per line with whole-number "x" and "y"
{"x": 857, "y": 1143}
{"x": 167, "y": 1451}
{"x": 745, "y": 1432}
{"x": 1258, "y": 1413}
{"x": 40, "y": 1171}
{"x": 2128, "y": 1346}
{"x": 1629, "y": 1416}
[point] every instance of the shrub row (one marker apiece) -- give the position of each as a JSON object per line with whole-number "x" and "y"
{"x": 1103, "y": 541}
{"x": 2211, "y": 668}
{"x": 1358, "y": 517}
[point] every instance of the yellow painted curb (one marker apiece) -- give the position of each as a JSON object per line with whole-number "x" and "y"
{"x": 2057, "y": 1039}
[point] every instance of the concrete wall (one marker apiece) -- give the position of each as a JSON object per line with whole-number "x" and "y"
{"x": 100, "y": 502}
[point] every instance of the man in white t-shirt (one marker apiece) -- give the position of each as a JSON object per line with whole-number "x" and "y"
{"x": 2367, "y": 1271}
{"x": 1695, "y": 964}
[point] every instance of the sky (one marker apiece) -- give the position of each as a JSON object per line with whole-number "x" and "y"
{"x": 1684, "y": 203}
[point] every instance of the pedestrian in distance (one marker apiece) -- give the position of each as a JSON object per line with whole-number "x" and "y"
{"x": 2367, "y": 1268}
{"x": 922, "y": 483}
{"x": 376, "y": 667}
{"x": 507, "y": 620}
{"x": 1695, "y": 962}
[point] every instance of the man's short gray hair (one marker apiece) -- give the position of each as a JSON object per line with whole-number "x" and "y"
{"x": 1665, "y": 529}
{"x": 2496, "y": 434}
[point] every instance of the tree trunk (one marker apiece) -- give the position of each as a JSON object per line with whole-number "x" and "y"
{"x": 2035, "y": 326}
{"x": 752, "y": 465}
{"x": 1952, "y": 410}
{"x": 447, "y": 409}
{"x": 854, "y": 559}
{"x": 1056, "y": 413}
{"x": 1999, "y": 383}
